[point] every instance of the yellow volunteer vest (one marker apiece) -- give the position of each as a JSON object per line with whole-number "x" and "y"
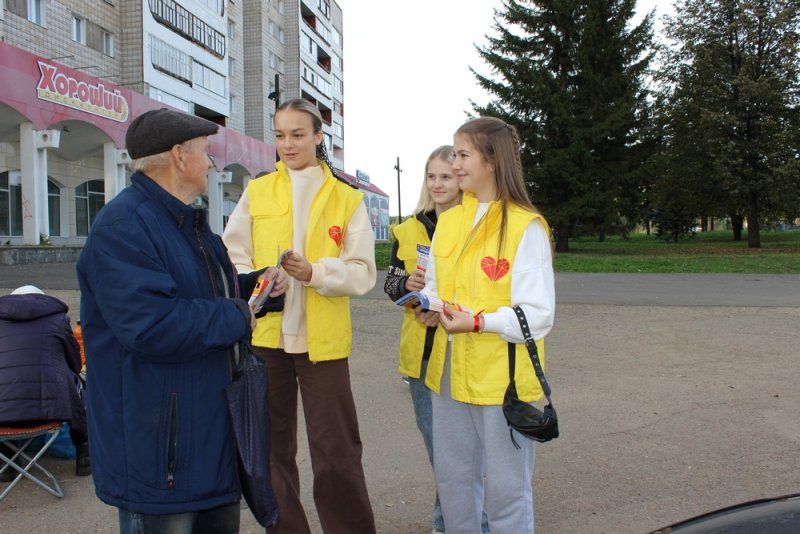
{"x": 412, "y": 335}
{"x": 469, "y": 272}
{"x": 327, "y": 318}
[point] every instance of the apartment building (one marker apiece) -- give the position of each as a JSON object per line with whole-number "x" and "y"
{"x": 75, "y": 72}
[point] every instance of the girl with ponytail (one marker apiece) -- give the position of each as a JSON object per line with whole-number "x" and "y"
{"x": 305, "y": 208}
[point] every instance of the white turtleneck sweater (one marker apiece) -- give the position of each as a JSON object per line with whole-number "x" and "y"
{"x": 352, "y": 273}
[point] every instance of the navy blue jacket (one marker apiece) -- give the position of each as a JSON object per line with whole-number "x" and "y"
{"x": 158, "y": 332}
{"x": 39, "y": 362}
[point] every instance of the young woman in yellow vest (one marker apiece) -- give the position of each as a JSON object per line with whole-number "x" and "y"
{"x": 439, "y": 193}
{"x": 304, "y": 207}
{"x": 490, "y": 253}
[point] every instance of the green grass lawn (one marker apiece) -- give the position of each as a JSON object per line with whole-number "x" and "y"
{"x": 706, "y": 252}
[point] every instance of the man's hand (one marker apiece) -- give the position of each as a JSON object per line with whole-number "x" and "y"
{"x": 297, "y": 267}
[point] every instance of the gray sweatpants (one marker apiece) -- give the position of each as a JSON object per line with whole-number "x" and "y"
{"x": 473, "y": 452}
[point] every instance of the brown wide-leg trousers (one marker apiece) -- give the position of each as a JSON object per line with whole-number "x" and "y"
{"x": 340, "y": 489}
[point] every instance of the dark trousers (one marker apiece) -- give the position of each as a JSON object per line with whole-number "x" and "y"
{"x": 221, "y": 520}
{"x": 340, "y": 490}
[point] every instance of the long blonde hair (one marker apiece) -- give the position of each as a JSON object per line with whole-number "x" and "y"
{"x": 444, "y": 153}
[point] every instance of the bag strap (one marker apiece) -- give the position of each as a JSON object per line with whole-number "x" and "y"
{"x": 533, "y": 352}
{"x": 233, "y": 355}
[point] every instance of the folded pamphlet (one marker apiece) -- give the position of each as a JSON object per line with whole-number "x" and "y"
{"x": 423, "y": 255}
{"x": 264, "y": 286}
{"x": 414, "y": 298}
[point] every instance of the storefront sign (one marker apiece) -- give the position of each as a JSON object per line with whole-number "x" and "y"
{"x": 64, "y": 89}
{"x": 362, "y": 177}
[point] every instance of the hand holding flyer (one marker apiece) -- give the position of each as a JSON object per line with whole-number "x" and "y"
{"x": 414, "y": 298}
{"x": 264, "y": 286}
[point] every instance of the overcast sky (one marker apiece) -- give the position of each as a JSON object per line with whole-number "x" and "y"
{"x": 408, "y": 85}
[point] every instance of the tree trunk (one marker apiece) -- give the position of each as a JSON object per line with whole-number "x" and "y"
{"x": 711, "y": 223}
{"x": 562, "y": 238}
{"x": 703, "y": 223}
{"x": 602, "y": 236}
{"x": 753, "y": 225}
{"x": 737, "y": 222}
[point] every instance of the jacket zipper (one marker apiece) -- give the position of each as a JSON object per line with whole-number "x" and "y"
{"x": 172, "y": 443}
{"x": 206, "y": 257}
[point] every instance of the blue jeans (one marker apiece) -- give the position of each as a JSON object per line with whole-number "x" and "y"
{"x": 221, "y": 520}
{"x": 421, "y": 399}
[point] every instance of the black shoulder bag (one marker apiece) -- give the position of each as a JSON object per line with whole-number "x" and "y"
{"x": 521, "y": 416}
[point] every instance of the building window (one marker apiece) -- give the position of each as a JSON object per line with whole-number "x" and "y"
{"x": 231, "y": 29}
{"x": 174, "y": 16}
{"x": 312, "y": 77}
{"x": 276, "y": 31}
{"x": 324, "y": 32}
{"x": 78, "y": 29}
{"x": 107, "y": 39}
{"x": 278, "y": 4}
{"x": 208, "y": 78}
{"x": 337, "y": 61}
{"x": 308, "y": 45}
{"x": 231, "y": 66}
{"x": 336, "y": 38}
{"x": 337, "y": 129}
{"x": 276, "y": 62}
{"x": 36, "y": 12}
{"x": 217, "y": 6}
{"x": 325, "y": 7}
{"x": 170, "y": 60}
{"x": 10, "y": 204}
{"x": 337, "y": 84}
{"x": 54, "y": 208}
{"x": 233, "y": 106}
{"x": 172, "y": 100}
{"x": 89, "y": 199}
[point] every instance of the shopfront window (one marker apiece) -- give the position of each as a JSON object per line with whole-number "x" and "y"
{"x": 10, "y": 204}
{"x": 89, "y": 198}
{"x": 54, "y": 208}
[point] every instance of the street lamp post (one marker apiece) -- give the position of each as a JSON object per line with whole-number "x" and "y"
{"x": 399, "y": 209}
{"x": 275, "y": 96}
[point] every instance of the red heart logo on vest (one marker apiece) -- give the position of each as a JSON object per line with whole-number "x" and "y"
{"x": 495, "y": 269}
{"x": 336, "y": 234}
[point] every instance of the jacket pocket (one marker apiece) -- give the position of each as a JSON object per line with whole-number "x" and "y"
{"x": 445, "y": 246}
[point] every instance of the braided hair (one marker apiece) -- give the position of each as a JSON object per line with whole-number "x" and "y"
{"x": 498, "y": 142}
{"x": 301, "y": 104}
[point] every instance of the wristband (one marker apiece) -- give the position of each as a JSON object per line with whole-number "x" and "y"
{"x": 477, "y": 328}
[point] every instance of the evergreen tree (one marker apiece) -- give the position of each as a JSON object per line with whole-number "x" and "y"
{"x": 734, "y": 111}
{"x": 570, "y": 76}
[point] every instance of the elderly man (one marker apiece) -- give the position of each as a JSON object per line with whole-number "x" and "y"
{"x": 161, "y": 313}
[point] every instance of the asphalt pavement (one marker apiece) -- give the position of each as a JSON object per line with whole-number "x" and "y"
{"x": 676, "y": 394}
{"x": 571, "y": 288}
